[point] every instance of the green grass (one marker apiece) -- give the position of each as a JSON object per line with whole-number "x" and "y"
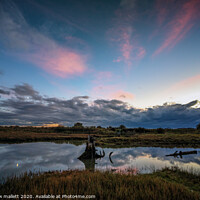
{"x": 168, "y": 184}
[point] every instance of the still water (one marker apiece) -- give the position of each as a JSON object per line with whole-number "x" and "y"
{"x": 16, "y": 159}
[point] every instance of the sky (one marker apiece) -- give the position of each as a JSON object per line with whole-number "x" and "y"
{"x": 100, "y": 62}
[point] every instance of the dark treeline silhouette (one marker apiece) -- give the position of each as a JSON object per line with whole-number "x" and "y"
{"x": 198, "y": 126}
{"x": 79, "y": 128}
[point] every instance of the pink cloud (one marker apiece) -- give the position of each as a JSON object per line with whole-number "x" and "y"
{"x": 104, "y": 75}
{"x": 163, "y": 8}
{"x": 185, "y": 84}
{"x": 129, "y": 48}
{"x": 123, "y": 34}
{"x": 101, "y": 77}
{"x": 122, "y": 37}
{"x": 117, "y": 60}
{"x": 141, "y": 53}
{"x": 102, "y": 91}
{"x": 126, "y": 46}
{"x": 122, "y": 95}
{"x": 180, "y": 25}
{"x": 31, "y": 45}
{"x": 59, "y": 62}
{"x": 111, "y": 92}
{"x": 162, "y": 15}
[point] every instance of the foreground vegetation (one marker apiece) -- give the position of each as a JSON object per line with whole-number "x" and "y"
{"x": 105, "y": 137}
{"x": 166, "y": 184}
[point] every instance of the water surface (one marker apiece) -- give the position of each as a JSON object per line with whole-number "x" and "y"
{"x": 16, "y": 159}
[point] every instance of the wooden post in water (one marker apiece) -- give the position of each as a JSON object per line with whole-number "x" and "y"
{"x": 90, "y": 150}
{"x": 90, "y": 154}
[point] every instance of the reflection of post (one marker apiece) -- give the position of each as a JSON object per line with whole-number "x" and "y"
{"x": 89, "y": 163}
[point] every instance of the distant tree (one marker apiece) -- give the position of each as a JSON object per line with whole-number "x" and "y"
{"x": 99, "y": 127}
{"x": 60, "y": 129}
{"x": 78, "y": 125}
{"x": 198, "y": 126}
{"x": 111, "y": 128}
{"x": 122, "y": 127}
{"x": 160, "y": 130}
{"x": 140, "y": 130}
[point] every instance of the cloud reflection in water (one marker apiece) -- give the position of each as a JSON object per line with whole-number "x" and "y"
{"x": 47, "y": 156}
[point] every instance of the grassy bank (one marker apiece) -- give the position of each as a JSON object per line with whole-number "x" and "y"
{"x": 151, "y": 140}
{"x": 19, "y": 137}
{"x": 113, "y": 140}
{"x": 166, "y": 184}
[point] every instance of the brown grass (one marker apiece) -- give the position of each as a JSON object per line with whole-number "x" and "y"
{"x": 155, "y": 140}
{"x": 106, "y": 140}
{"x": 106, "y": 185}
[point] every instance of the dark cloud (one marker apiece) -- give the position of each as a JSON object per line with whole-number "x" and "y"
{"x": 2, "y": 91}
{"x": 26, "y": 90}
{"x": 26, "y": 105}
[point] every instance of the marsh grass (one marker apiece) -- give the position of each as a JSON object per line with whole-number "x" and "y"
{"x": 104, "y": 140}
{"x": 152, "y": 140}
{"x": 166, "y": 184}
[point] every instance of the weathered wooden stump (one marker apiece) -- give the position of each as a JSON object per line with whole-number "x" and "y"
{"x": 90, "y": 154}
{"x": 90, "y": 150}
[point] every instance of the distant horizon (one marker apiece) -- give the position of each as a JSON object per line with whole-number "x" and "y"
{"x": 98, "y": 126}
